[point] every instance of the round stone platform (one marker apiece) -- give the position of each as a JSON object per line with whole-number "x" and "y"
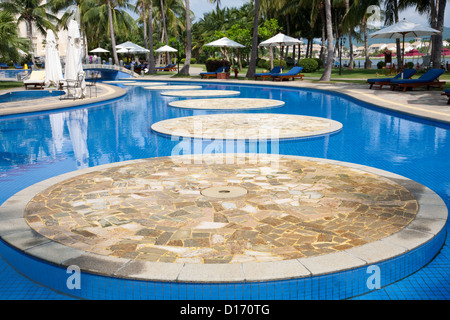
{"x": 201, "y": 93}
{"x": 155, "y": 219}
{"x": 142, "y": 83}
{"x": 247, "y": 126}
{"x": 228, "y": 103}
{"x": 173, "y": 87}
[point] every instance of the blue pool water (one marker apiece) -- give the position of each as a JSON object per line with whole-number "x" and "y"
{"x": 39, "y": 146}
{"x": 14, "y": 96}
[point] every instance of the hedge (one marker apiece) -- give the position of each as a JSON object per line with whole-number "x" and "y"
{"x": 309, "y": 65}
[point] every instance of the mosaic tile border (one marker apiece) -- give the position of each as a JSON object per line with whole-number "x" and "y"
{"x": 428, "y": 223}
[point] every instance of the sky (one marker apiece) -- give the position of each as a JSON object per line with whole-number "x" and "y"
{"x": 199, "y": 7}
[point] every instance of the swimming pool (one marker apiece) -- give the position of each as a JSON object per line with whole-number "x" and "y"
{"x": 40, "y": 146}
{"x": 15, "y": 96}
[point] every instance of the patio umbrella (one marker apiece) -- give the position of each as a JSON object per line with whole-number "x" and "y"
{"x": 53, "y": 70}
{"x": 280, "y": 40}
{"x": 99, "y": 50}
{"x": 224, "y": 43}
{"x": 73, "y": 58}
{"x": 166, "y": 48}
{"x": 404, "y": 29}
{"x": 413, "y": 53}
{"x": 132, "y": 47}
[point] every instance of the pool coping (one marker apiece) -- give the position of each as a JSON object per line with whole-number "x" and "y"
{"x": 112, "y": 92}
{"x": 429, "y": 222}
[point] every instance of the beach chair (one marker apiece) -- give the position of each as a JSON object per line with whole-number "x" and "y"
{"x": 265, "y": 75}
{"x": 212, "y": 74}
{"x": 4, "y": 65}
{"x": 166, "y": 68}
{"x": 293, "y": 73}
{"x": 428, "y": 79}
{"x": 18, "y": 66}
{"x": 36, "y": 79}
{"x": 407, "y": 74}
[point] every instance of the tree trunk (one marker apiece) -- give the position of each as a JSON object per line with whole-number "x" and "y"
{"x": 397, "y": 41}
{"x": 329, "y": 23}
{"x": 30, "y": 36}
{"x": 187, "y": 63}
{"x": 111, "y": 31}
{"x": 322, "y": 47}
{"x": 144, "y": 20}
{"x": 252, "y": 65}
{"x": 151, "y": 60}
{"x": 350, "y": 40}
{"x": 437, "y": 39}
{"x": 366, "y": 45}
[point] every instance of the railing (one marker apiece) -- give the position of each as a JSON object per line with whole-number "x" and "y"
{"x": 110, "y": 67}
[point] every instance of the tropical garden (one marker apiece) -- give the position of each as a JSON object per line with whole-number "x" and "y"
{"x": 104, "y": 23}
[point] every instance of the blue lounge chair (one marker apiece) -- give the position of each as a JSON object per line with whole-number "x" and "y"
{"x": 428, "y": 79}
{"x": 293, "y": 73}
{"x": 407, "y": 74}
{"x": 18, "y": 66}
{"x": 264, "y": 75}
{"x": 213, "y": 74}
{"x": 169, "y": 67}
{"x": 4, "y": 65}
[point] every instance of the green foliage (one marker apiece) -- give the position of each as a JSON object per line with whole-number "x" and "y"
{"x": 320, "y": 62}
{"x": 410, "y": 65}
{"x": 268, "y": 29}
{"x": 193, "y": 61}
{"x": 309, "y": 65}
{"x": 381, "y": 65}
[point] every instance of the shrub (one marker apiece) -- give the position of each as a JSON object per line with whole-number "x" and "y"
{"x": 320, "y": 62}
{"x": 193, "y": 61}
{"x": 309, "y": 65}
{"x": 262, "y": 63}
{"x": 410, "y": 65}
{"x": 212, "y": 64}
{"x": 381, "y": 64}
{"x": 276, "y": 63}
{"x": 290, "y": 61}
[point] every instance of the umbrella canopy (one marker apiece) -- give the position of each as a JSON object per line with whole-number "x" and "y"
{"x": 280, "y": 40}
{"x": 73, "y": 58}
{"x": 166, "y": 48}
{"x": 99, "y": 50}
{"x": 53, "y": 70}
{"x": 225, "y": 42}
{"x": 404, "y": 29}
{"x": 413, "y": 53}
{"x": 132, "y": 47}
{"x": 123, "y": 50}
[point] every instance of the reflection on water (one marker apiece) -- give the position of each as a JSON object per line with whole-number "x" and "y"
{"x": 36, "y": 147}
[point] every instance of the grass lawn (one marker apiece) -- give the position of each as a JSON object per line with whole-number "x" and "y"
{"x": 10, "y": 84}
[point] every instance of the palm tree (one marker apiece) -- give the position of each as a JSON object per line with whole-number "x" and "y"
{"x": 9, "y": 38}
{"x": 217, "y": 2}
{"x": 187, "y": 62}
{"x": 326, "y": 76}
{"x": 35, "y": 15}
{"x": 252, "y": 66}
{"x": 151, "y": 60}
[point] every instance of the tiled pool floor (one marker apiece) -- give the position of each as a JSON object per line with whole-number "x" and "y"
{"x": 430, "y": 283}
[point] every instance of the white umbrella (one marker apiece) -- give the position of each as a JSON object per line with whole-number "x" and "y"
{"x": 224, "y": 43}
{"x": 166, "y": 48}
{"x": 404, "y": 29}
{"x": 280, "y": 40}
{"x": 99, "y": 50}
{"x": 132, "y": 47}
{"x": 53, "y": 70}
{"x": 73, "y": 58}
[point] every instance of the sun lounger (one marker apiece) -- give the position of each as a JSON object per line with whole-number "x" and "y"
{"x": 293, "y": 73}
{"x": 265, "y": 75}
{"x": 36, "y": 80}
{"x": 169, "y": 67}
{"x": 18, "y": 66}
{"x": 212, "y": 74}
{"x": 4, "y": 66}
{"x": 428, "y": 79}
{"x": 407, "y": 74}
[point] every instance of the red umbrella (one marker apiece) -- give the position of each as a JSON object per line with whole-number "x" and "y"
{"x": 414, "y": 53}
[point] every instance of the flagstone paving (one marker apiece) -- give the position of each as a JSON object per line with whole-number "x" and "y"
{"x": 247, "y": 126}
{"x": 228, "y": 103}
{"x": 158, "y": 209}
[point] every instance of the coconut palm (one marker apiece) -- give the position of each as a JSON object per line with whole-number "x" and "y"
{"x": 34, "y": 13}
{"x": 252, "y": 64}
{"x": 326, "y": 76}
{"x": 9, "y": 38}
{"x": 217, "y": 2}
{"x": 187, "y": 62}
